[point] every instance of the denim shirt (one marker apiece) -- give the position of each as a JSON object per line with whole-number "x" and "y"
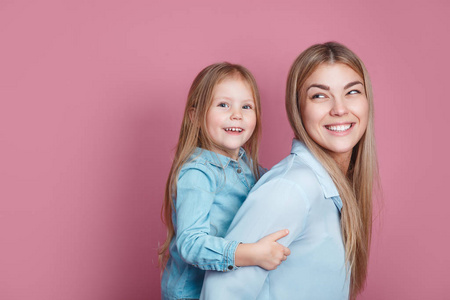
{"x": 297, "y": 194}
{"x": 210, "y": 190}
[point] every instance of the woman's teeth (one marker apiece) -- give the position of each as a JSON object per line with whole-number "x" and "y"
{"x": 233, "y": 129}
{"x": 339, "y": 128}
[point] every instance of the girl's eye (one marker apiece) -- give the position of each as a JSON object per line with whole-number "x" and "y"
{"x": 352, "y": 92}
{"x": 222, "y": 105}
{"x": 247, "y": 107}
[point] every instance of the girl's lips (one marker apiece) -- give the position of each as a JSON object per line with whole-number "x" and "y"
{"x": 233, "y": 129}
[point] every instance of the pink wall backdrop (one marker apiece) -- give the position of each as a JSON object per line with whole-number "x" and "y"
{"x": 92, "y": 94}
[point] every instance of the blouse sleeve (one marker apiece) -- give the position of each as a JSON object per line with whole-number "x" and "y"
{"x": 196, "y": 189}
{"x": 275, "y": 205}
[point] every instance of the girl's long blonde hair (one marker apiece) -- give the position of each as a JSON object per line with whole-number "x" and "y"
{"x": 356, "y": 187}
{"x": 193, "y": 134}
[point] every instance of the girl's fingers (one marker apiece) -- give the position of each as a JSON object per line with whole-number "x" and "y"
{"x": 277, "y": 235}
{"x": 287, "y": 252}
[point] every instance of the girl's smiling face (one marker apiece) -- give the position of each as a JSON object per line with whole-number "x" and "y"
{"x": 231, "y": 118}
{"x": 334, "y": 108}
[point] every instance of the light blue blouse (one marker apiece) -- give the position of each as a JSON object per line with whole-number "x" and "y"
{"x": 297, "y": 194}
{"x": 210, "y": 190}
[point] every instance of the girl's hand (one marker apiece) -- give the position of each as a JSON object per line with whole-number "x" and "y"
{"x": 267, "y": 253}
{"x": 270, "y": 254}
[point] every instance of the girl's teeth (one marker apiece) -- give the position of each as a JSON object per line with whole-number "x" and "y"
{"x": 233, "y": 129}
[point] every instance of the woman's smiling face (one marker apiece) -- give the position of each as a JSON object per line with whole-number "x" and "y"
{"x": 334, "y": 108}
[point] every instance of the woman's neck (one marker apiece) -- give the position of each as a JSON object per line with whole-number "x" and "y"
{"x": 342, "y": 159}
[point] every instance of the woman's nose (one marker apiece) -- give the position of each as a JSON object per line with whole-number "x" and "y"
{"x": 339, "y": 107}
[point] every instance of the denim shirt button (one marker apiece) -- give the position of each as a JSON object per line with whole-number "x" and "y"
{"x": 230, "y": 267}
{"x": 239, "y": 170}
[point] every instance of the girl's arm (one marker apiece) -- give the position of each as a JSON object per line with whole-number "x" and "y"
{"x": 266, "y": 253}
{"x": 196, "y": 190}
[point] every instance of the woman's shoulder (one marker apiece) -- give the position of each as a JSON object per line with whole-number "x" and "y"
{"x": 292, "y": 171}
{"x": 295, "y": 170}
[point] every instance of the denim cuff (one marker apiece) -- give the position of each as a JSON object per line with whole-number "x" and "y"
{"x": 229, "y": 256}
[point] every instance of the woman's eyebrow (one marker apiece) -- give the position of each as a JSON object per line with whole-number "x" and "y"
{"x": 327, "y": 88}
{"x": 320, "y": 86}
{"x": 352, "y": 84}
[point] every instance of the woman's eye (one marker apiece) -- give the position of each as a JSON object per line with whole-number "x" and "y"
{"x": 222, "y": 105}
{"x": 352, "y": 92}
{"x": 247, "y": 107}
{"x": 318, "y": 96}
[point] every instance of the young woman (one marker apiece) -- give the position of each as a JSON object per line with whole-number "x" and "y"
{"x": 321, "y": 192}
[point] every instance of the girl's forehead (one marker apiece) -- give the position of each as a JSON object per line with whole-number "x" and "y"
{"x": 234, "y": 78}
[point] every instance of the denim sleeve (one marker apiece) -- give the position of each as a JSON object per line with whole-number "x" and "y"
{"x": 196, "y": 190}
{"x": 275, "y": 205}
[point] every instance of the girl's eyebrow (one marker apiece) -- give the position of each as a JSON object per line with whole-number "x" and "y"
{"x": 230, "y": 98}
{"x": 222, "y": 97}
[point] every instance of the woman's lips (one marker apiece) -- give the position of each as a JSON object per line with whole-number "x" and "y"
{"x": 339, "y": 129}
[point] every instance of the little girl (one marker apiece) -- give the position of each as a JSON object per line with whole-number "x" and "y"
{"x": 215, "y": 166}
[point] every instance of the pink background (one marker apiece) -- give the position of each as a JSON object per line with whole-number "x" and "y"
{"x": 92, "y": 94}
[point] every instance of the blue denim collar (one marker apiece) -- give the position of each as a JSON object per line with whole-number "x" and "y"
{"x": 217, "y": 159}
{"x": 328, "y": 187}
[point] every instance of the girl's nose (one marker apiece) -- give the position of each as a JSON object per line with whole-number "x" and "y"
{"x": 236, "y": 115}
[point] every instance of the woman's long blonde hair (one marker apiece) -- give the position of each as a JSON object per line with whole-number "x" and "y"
{"x": 193, "y": 134}
{"x": 356, "y": 187}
